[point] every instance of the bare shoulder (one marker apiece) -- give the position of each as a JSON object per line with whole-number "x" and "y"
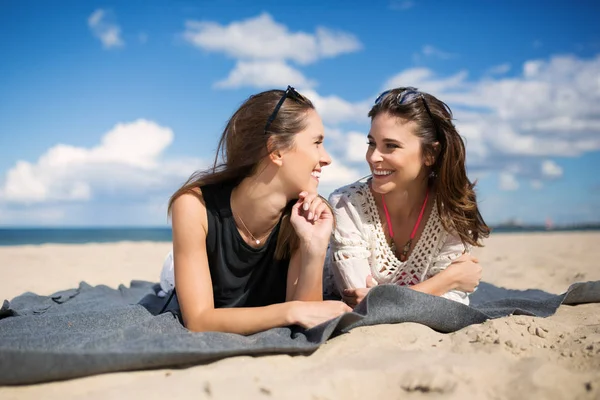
{"x": 189, "y": 211}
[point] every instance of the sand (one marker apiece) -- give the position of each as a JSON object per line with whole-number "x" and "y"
{"x": 514, "y": 357}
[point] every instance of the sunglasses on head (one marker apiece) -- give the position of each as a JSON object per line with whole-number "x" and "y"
{"x": 409, "y": 95}
{"x": 292, "y": 94}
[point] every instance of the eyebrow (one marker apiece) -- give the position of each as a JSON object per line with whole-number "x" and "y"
{"x": 385, "y": 140}
{"x": 319, "y": 137}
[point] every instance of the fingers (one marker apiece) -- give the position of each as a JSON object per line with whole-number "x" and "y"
{"x": 464, "y": 257}
{"x": 345, "y": 308}
{"x": 349, "y": 297}
{"x": 313, "y": 206}
{"x": 350, "y": 301}
{"x": 370, "y": 282}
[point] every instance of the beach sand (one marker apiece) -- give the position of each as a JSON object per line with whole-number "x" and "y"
{"x": 514, "y": 357}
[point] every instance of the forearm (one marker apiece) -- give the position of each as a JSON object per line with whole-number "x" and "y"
{"x": 310, "y": 279}
{"x": 243, "y": 321}
{"x": 438, "y": 284}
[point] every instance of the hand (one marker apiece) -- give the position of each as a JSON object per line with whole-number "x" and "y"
{"x": 312, "y": 313}
{"x": 354, "y": 296}
{"x": 312, "y": 220}
{"x": 467, "y": 273}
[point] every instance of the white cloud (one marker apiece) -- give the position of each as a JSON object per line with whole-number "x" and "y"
{"x": 499, "y": 69}
{"x": 356, "y": 146}
{"x": 337, "y": 174}
{"x": 264, "y": 74}
{"x": 262, "y": 38}
{"x": 127, "y": 160}
{"x": 101, "y": 23}
{"x": 549, "y": 110}
{"x": 551, "y": 170}
{"x": 508, "y": 181}
{"x": 425, "y": 80}
{"x": 333, "y": 109}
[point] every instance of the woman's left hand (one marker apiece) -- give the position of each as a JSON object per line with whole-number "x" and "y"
{"x": 354, "y": 296}
{"x": 312, "y": 219}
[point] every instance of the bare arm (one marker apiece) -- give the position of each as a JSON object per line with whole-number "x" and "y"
{"x": 194, "y": 285}
{"x": 305, "y": 276}
{"x": 312, "y": 219}
{"x": 438, "y": 284}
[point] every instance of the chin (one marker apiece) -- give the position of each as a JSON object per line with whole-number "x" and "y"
{"x": 382, "y": 188}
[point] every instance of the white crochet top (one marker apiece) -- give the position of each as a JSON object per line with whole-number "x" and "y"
{"x": 359, "y": 248}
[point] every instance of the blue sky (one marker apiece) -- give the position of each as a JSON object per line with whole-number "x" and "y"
{"x": 107, "y": 107}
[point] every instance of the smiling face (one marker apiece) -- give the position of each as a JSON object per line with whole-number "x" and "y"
{"x": 395, "y": 154}
{"x": 301, "y": 166}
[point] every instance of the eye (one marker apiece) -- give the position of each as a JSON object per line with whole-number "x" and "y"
{"x": 319, "y": 142}
{"x": 392, "y": 146}
{"x": 371, "y": 143}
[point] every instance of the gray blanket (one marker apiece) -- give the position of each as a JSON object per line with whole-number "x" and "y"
{"x": 92, "y": 330}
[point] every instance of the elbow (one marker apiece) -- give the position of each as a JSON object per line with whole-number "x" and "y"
{"x": 197, "y": 323}
{"x": 197, "y": 328}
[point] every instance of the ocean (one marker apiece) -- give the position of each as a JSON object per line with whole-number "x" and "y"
{"x": 33, "y": 236}
{"x": 25, "y": 236}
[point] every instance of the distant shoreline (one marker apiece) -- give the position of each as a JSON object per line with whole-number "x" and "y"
{"x": 81, "y": 235}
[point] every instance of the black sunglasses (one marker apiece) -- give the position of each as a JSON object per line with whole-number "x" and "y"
{"x": 408, "y": 95}
{"x": 292, "y": 94}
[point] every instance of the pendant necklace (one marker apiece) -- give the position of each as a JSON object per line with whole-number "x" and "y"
{"x": 404, "y": 255}
{"x": 257, "y": 241}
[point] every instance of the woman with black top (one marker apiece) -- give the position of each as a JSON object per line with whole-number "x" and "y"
{"x": 250, "y": 235}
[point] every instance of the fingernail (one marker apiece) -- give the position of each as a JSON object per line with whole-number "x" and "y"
{"x": 305, "y": 206}
{"x": 310, "y": 215}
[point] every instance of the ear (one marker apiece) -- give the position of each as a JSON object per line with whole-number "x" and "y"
{"x": 431, "y": 156}
{"x": 275, "y": 155}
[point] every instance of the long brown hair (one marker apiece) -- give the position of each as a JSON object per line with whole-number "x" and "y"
{"x": 455, "y": 194}
{"x": 244, "y": 144}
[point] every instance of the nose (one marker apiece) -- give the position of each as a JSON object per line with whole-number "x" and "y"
{"x": 325, "y": 158}
{"x": 374, "y": 156}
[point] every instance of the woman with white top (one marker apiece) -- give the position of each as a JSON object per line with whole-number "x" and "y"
{"x": 414, "y": 221}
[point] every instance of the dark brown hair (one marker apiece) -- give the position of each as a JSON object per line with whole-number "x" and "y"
{"x": 244, "y": 144}
{"x": 455, "y": 194}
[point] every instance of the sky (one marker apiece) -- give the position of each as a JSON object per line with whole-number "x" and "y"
{"x": 107, "y": 107}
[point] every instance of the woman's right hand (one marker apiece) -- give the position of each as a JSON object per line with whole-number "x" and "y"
{"x": 312, "y": 220}
{"x": 312, "y": 313}
{"x": 467, "y": 273}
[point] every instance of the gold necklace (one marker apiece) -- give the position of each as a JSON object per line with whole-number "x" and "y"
{"x": 257, "y": 241}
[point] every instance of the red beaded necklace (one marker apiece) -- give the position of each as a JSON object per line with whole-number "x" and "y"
{"x": 406, "y": 248}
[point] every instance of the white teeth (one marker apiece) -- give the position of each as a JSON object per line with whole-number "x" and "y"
{"x": 316, "y": 174}
{"x": 381, "y": 173}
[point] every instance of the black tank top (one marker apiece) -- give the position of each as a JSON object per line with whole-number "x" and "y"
{"x": 242, "y": 276}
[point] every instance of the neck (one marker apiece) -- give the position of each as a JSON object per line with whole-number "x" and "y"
{"x": 404, "y": 202}
{"x": 258, "y": 203}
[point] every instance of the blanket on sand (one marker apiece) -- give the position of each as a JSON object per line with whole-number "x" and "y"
{"x": 93, "y": 330}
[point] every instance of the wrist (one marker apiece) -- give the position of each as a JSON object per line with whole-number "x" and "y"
{"x": 453, "y": 279}
{"x": 313, "y": 247}
{"x": 291, "y": 313}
